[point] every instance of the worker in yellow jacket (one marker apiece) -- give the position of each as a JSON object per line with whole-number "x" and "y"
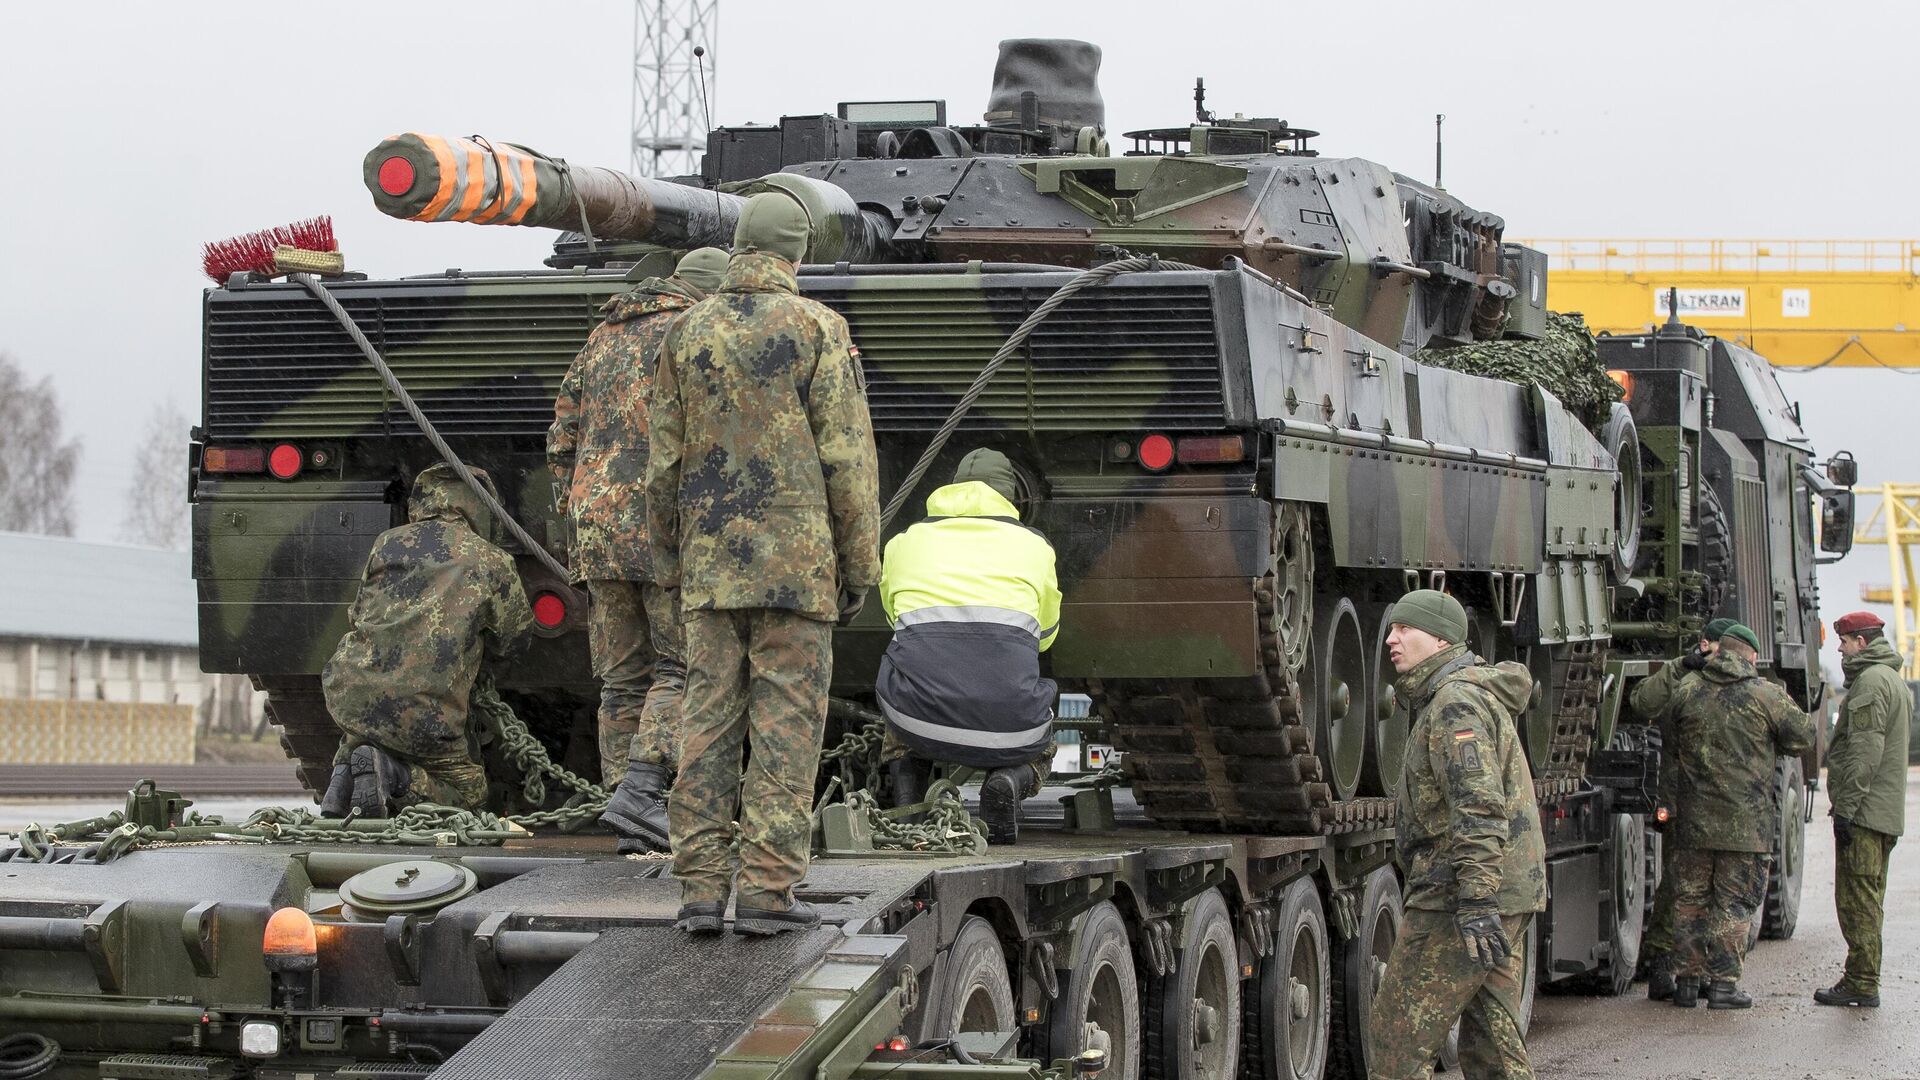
{"x": 974, "y": 601}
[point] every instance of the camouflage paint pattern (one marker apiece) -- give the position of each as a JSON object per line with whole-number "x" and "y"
{"x": 437, "y": 602}
{"x": 1431, "y": 981}
{"x": 756, "y": 680}
{"x": 634, "y": 635}
{"x": 1860, "y": 901}
{"x": 1723, "y": 733}
{"x": 1468, "y": 829}
{"x": 1716, "y": 895}
{"x": 597, "y": 444}
{"x": 763, "y": 488}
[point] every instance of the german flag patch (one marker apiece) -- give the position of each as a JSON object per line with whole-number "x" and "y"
{"x": 1463, "y": 734}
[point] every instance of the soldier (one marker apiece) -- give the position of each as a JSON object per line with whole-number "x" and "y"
{"x": 597, "y": 450}
{"x": 1650, "y": 700}
{"x": 974, "y": 601}
{"x": 762, "y": 492}
{"x": 437, "y": 602}
{"x": 1470, "y": 851}
{"x": 1867, "y": 785}
{"x": 1727, "y": 728}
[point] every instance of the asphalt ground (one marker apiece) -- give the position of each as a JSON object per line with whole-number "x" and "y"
{"x": 1785, "y": 1036}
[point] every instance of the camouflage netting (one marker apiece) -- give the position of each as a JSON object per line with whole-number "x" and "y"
{"x": 1565, "y": 362}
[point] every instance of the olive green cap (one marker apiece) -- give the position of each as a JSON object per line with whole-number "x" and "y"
{"x": 1716, "y": 628}
{"x": 775, "y": 223}
{"x": 702, "y": 269}
{"x": 1433, "y": 611}
{"x": 1739, "y": 632}
{"x": 991, "y": 468}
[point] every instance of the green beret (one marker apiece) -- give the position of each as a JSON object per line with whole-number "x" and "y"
{"x": 1740, "y": 632}
{"x": 1716, "y": 628}
{"x": 1433, "y": 611}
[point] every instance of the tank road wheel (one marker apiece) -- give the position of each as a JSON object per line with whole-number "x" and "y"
{"x": 1622, "y": 439}
{"x": 1782, "y": 912}
{"x": 976, "y": 991}
{"x": 1627, "y": 879}
{"x": 1337, "y": 693}
{"x": 1290, "y": 582}
{"x": 1193, "y": 1014}
{"x": 1291, "y": 1011}
{"x": 1099, "y": 1004}
{"x": 1361, "y": 961}
{"x": 1387, "y": 742}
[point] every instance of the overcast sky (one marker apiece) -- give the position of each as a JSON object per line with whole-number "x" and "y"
{"x": 134, "y": 133}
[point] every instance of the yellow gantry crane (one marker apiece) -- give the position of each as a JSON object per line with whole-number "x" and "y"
{"x": 1799, "y": 303}
{"x": 1895, "y": 522}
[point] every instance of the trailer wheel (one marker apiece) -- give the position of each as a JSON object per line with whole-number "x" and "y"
{"x": 1193, "y": 1013}
{"x": 1099, "y": 1004}
{"x": 1362, "y": 960}
{"x": 1291, "y": 1013}
{"x": 1627, "y": 874}
{"x": 976, "y": 993}
{"x": 1782, "y": 913}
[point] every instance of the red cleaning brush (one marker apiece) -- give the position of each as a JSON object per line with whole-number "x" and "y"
{"x": 255, "y": 250}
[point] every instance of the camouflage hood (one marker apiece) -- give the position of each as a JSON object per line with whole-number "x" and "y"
{"x": 649, "y": 297}
{"x": 440, "y": 495}
{"x": 969, "y": 498}
{"x": 1726, "y": 668}
{"x": 1878, "y": 653}
{"x": 1509, "y": 683}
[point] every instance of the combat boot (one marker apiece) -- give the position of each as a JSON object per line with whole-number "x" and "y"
{"x": 909, "y": 776}
{"x": 1000, "y": 797}
{"x": 381, "y": 782}
{"x": 1725, "y": 995}
{"x": 1660, "y": 980}
{"x": 702, "y": 917}
{"x": 1839, "y": 994}
{"x": 766, "y": 922}
{"x": 638, "y": 809}
{"x": 1686, "y": 992}
{"x": 338, "y": 798}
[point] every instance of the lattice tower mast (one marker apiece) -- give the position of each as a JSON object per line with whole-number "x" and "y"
{"x": 669, "y": 126}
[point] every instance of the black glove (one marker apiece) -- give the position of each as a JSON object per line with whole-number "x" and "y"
{"x": 1480, "y": 928}
{"x": 851, "y": 601}
{"x": 1842, "y": 831}
{"x": 1694, "y": 660}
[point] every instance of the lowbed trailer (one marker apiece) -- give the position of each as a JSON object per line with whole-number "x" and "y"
{"x": 1176, "y": 954}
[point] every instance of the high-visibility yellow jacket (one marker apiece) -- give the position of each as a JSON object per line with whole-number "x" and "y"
{"x": 974, "y": 600}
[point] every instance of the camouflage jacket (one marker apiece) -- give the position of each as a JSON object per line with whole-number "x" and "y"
{"x": 1722, "y": 734}
{"x": 1650, "y": 701}
{"x": 763, "y": 487}
{"x": 436, "y": 599}
{"x": 1469, "y": 827}
{"x": 1867, "y": 759}
{"x": 597, "y": 445}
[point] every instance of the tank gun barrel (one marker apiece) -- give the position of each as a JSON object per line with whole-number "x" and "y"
{"x": 418, "y": 177}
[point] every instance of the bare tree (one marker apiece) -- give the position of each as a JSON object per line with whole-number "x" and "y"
{"x": 36, "y": 467}
{"x": 156, "y": 511}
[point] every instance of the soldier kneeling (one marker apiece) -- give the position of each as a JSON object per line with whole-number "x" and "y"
{"x": 437, "y": 601}
{"x": 974, "y": 601}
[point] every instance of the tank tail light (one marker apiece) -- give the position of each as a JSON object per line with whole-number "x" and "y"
{"x": 1210, "y": 449}
{"x": 549, "y": 610}
{"x": 285, "y": 461}
{"x": 1155, "y": 453}
{"x": 233, "y": 459}
{"x": 1624, "y": 380}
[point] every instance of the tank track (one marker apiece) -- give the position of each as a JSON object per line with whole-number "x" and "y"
{"x": 307, "y": 732}
{"x": 1578, "y": 680}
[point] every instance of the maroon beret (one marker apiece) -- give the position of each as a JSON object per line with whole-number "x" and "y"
{"x": 1858, "y": 622}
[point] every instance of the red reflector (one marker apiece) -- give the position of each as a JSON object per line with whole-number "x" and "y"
{"x": 233, "y": 459}
{"x": 396, "y": 176}
{"x": 1211, "y": 449}
{"x": 896, "y": 1043}
{"x": 549, "y": 610}
{"x": 284, "y": 461}
{"x": 1155, "y": 452}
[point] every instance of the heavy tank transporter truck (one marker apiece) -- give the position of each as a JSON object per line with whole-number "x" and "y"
{"x": 1240, "y": 465}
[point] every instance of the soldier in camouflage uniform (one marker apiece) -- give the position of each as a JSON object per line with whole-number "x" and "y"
{"x": 1470, "y": 850}
{"x": 1867, "y": 783}
{"x": 1724, "y": 732}
{"x": 437, "y": 603}
{"x": 763, "y": 495}
{"x": 597, "y": 450}
{"x": 1650, "y": 699}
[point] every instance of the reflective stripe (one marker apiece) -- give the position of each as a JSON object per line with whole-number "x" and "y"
{"x": 957, "y": 736}
{"x": 969, "y": 613}
{"x": 1048, "y": 632}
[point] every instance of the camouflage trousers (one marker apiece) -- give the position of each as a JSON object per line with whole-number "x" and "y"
{"x": 1656, "y": 943}
{"x": 1430, "y": 982}
{"x": 756, "y": 678}
{"x": 634, "y": 636}
{"x": 443, "y": 760}
{"x": 892, "y": 749}
{"x": 1715, "y": 897}
{"x": 1859, "y": 899}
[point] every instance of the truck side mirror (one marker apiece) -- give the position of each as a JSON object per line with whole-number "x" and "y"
{"x": 1842, "y": 469}
{"x": 1836, "y": 522}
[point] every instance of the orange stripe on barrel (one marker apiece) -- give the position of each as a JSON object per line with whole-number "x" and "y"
{"x": 443, "y": 157}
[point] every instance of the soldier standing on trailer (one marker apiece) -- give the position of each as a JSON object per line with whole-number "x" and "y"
{"x": 1867, "y": 784}
{"x": 763, "y": 495}
{"x": 1728, "y": 728}
{"x": 597, "y": 450}
{"x": 1650, "y": 700}
{"x": 1470, "y": 850}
